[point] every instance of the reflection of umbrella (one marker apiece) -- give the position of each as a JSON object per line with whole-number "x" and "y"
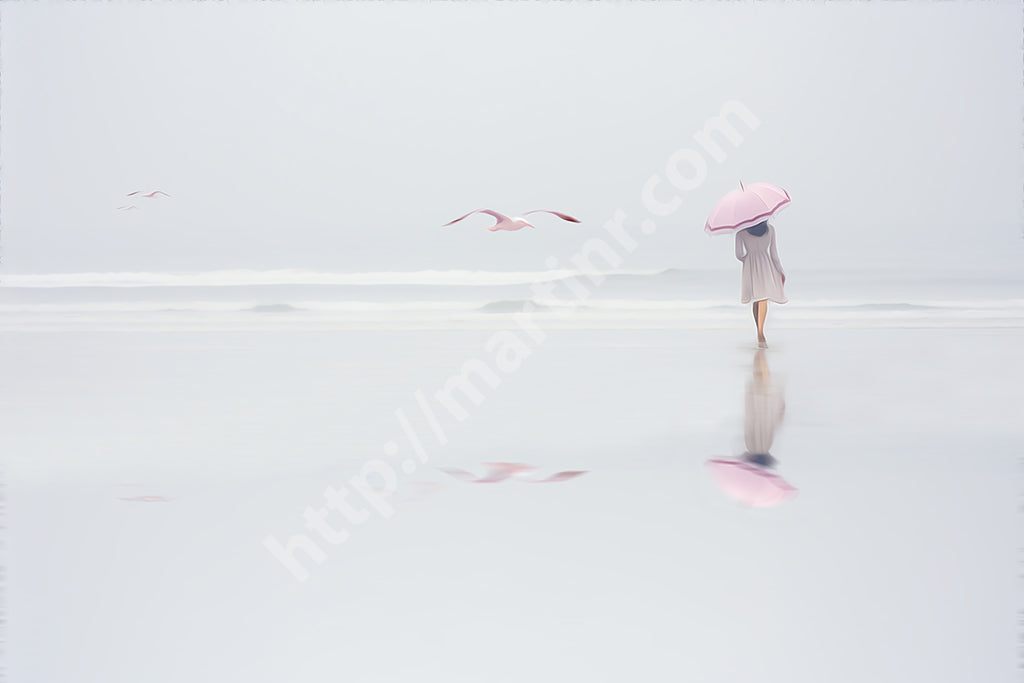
{"x": 750, "y": 484}
{"x": 744, "y": 208}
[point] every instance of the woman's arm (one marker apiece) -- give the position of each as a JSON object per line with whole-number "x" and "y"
{"x": 740, "y": 251}
{"x": 775, "y": 254}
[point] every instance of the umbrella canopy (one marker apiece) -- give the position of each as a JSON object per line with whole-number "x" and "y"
{"x": 750, "y": 484}
{"x": 746, "y": 207}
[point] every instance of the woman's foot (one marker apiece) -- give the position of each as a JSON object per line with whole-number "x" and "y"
{"x": 762, "y": 343}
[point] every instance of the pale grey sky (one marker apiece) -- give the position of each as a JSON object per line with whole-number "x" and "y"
{"x": 341, "y": 136}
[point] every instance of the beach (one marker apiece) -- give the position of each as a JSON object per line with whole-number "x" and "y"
{"x": 156, "y": 452}
{"x": 271, "y": 411}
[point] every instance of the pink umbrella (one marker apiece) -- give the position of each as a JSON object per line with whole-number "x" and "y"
{"x": 750, "y": 484}
{"x": 746, "y": 207}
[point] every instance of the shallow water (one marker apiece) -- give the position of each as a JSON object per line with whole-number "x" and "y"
{"x": 145, "y": 470}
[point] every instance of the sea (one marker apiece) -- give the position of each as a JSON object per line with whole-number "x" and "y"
{"x": 310, "y": 300}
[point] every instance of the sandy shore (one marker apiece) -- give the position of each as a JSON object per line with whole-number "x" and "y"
{"x": 145, "y": 471}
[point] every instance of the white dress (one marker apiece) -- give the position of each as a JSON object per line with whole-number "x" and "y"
{"x": 762, "y": 270}
{"x": 765, "y": 408}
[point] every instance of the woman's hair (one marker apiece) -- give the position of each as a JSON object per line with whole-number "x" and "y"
{"x": 759, "y": 229}
{"x": 762, "y": 459}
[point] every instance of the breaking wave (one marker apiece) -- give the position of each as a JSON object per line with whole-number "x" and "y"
{"x": 242, "y": 278}
{"x": 513, "y": 306}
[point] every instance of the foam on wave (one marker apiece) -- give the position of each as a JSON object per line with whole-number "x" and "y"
{"x": 236, "y": 278}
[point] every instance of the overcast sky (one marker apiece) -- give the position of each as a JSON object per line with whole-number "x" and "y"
{"x": 342, "y": 136}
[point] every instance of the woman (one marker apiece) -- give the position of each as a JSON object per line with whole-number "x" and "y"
{"x": 766, "y": 406}
{"x": 751, "y": 478}
{"x": 763, "y": 277}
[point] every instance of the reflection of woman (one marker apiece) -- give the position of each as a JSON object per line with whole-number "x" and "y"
{"x": 765, "y": 407}
{"x": 751, "y": 478}
{"x": 762, "y": 278}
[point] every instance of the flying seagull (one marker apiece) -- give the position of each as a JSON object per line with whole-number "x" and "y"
{"x": 501, "y": 471}
{"x": 497, "y": 471}
{"x": 150, "y": 195}
{"x": 517, "y": 223}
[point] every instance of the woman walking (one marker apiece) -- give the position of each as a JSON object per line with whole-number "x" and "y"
{"x": 752, "y": 478}
{"x": 745, "y": 213}
{"x": 762, "y": 278}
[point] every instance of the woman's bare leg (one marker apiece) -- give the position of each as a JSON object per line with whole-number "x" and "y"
{"x": 753, "y": 307}
{"x": 762, "y": 313}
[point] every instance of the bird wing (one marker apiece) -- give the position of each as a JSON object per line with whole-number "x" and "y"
{"x": 462, "y": 475}
{"x": 510, "y": 469}
{"x": 563, "y": 216}
{"x": 489, "y": 212}
{"x": 132, "y": 194}
{"x": 492, "y": 478}
{"x": 561, "y": 476}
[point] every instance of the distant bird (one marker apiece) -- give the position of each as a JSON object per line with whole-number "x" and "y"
{"x": 150, "y": 195}
{"x": 517, "y": 223}
{"x": 497, "y": 471}
{"x": 501, "y": 471}
{"x": 561, "y": 476}
{"x": 127, "y": 208}
{"x": 423, "y": 489}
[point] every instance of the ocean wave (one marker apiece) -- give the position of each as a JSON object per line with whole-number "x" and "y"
{"x": 514, "y": 306}
{"x": 540, "y": 305}
{"x": 827, "y": 279}
{"x": 239, "y": 278}
{"x": 273, "y": 308}
{"x": 891, "y": 307}
{"x": 160, "y": 306}
{"x": 481, "y": 322}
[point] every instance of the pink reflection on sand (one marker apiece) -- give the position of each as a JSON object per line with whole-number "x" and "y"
{"x": 503, "y": 471}
{"x": 750, "y": 478}
{"x": 750, "y": 484}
